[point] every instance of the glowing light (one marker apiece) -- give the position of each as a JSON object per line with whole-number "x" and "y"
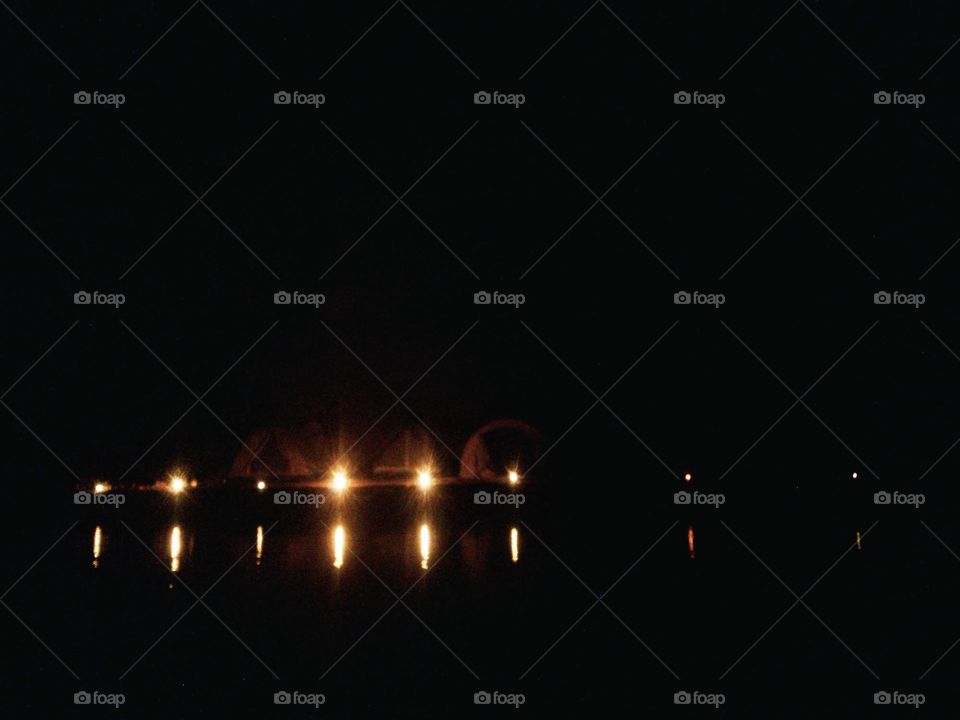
{"x": 424, "y": 545}
{"x": 340, "y": 480}
{"x": 261, "y": 485}
{"x": 514, "y": 544}
{"x": 425, "y": 479}
{"x": 854, "y": 476}
{"x": 514, "y": 477}
{"x": 259, "y": 543}
{"x": 687, "y": 477}
{"x": 858, "y": 541}
{"x": 339, "y": 543}
{"x": 690, "y": 541}
{"x": 97, "y": 539}
{"x": 176, "y": 547}
{"x": 177, "y": 484}
{"x": 100, "y": 488}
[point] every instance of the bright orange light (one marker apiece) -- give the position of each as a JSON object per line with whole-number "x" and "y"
{"x": 261, "y": 485}
{"x": 177, "y": 484}
{"x": 690, "y": 540}
{"x": 425, "y": 479}
{"x": 424, "y": 545}
{"x": 339, "y": 543}
{"x": 514, "y": 544}
{"x": 259, "y": 543}
{"x": 175, "y": 548}
{"x": 688, "y": 477}
{"x": 514, "y": 477}
{"x": 340, "y": 480}
{"x": 97, "y": 539}
{"x": 100, "y": 488}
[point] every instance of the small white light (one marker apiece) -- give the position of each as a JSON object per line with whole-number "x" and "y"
{"x": 177, "y": 484}
{"x": 854, "y": 476}
{"x": 100, "y": 488}
{"x": 514, "y": 477}
{"x": 261, "y": 485}
{"x": 340, "y": 480}
{"x": 424, "y": 479}
{"x": 688, "y": 477}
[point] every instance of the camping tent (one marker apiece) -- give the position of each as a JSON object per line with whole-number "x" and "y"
{"x": 300, "y": 451}
{"x": 497, "y": 447}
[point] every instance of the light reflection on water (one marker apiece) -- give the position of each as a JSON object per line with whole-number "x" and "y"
{"x": 176, "y": 547}
{"x": 339, "y": 543}
{"x": 259, "y": 543}
{"x": 690, "y": 538}
{"x": 424, "y": 546}
{"x": 97, "y": 540}
{"x": 514, "y": 544}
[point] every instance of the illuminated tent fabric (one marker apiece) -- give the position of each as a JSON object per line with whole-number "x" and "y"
{"x": 497, "y": 447}
{"x": 409, "y": 450}
{"x": 285, "y": 452}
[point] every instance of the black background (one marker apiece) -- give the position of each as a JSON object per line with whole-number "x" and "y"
{"x": 292, "y": 208}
